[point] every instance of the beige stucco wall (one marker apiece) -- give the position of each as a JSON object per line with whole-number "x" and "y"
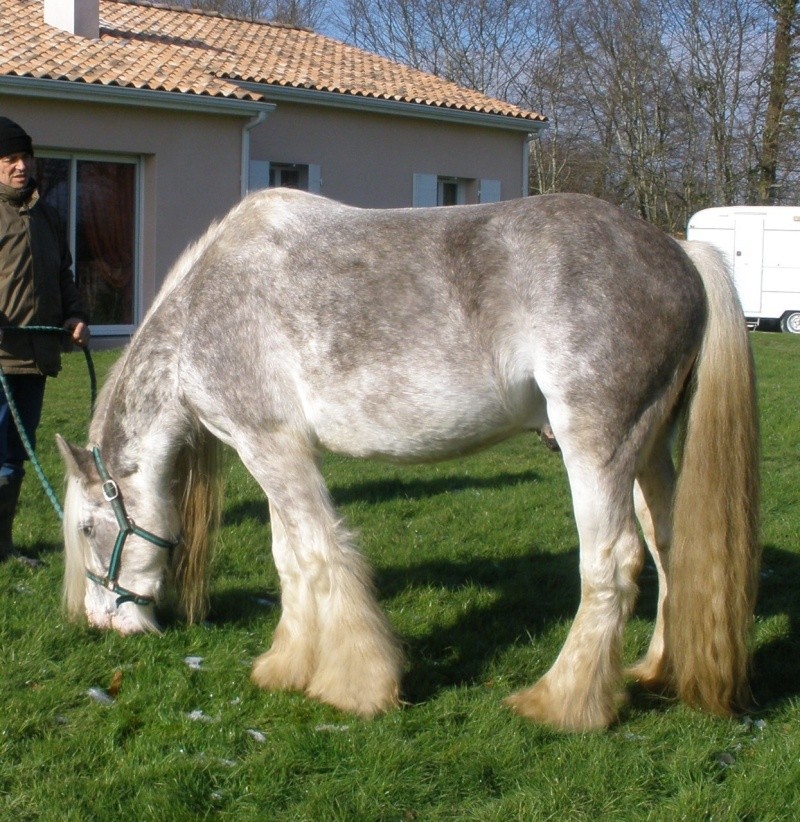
{"x": 191, "y": 165}
{"x": 370, "y": 159}
{"x": 192, "y": 161}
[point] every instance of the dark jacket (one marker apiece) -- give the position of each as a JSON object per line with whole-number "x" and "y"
{"x": 36, "y": 283}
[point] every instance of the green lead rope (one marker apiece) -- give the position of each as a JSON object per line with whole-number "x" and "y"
{"x": 43, "y": 329}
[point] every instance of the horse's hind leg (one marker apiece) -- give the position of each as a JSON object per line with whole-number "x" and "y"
{"x": 332, "y": 640}
{"x": 653, "y": 495}
{"x": 583, "y": 689}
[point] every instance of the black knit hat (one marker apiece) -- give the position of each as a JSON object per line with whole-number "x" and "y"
{"x": 13, "y": 139}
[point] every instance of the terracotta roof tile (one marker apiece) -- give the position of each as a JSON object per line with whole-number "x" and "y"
{"x": 150, "y": 46}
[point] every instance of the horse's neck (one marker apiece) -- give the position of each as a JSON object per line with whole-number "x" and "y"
{"x": 140, "y": 423}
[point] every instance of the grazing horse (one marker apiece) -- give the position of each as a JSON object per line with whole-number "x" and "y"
{"x": 297, "y": 325}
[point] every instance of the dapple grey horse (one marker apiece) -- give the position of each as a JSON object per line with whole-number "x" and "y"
{"x": 297, "y": 325}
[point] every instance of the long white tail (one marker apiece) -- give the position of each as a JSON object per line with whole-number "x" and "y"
{"x": 715, "y": 556}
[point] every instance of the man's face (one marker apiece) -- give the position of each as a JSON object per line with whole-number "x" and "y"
{"x": 15, "y": 170}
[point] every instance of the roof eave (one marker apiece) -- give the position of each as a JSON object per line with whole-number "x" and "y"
{"x": 355, "y": 102}
{"x": 181, "y": 101}
{"x": 125, "y": 96}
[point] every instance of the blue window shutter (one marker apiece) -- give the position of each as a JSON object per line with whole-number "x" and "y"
{"x": 259, "y": 175}
{"x": 489, "y": 191}
{"x": 424, "y": 193}
{"x": 314, "y": 178}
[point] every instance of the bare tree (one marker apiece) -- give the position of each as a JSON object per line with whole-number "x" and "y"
{"x": 566, "y": 156}
{"x": 662, "y": 106}
{"x": 719, "y": 57}
{"x": 630, "y": 100}
{"x": 666, "y": 106}
{"x": 479, "y": 44}
{"x": 777, "y": 127}
{"x": 302, "y": 13}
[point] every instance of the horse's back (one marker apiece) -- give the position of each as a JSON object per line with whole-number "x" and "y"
{"x": 426, "y": 330}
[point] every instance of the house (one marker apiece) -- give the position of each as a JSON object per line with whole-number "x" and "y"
{"x": 150, "y": 121}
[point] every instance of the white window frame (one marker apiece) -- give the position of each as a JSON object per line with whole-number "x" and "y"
{"x": 460, "y": 187}
{"x": 74, "y": 157}
{"x": 260, "y": 173}
{"x": 427, "y": 190}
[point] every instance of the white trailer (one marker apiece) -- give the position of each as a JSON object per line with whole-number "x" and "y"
{"x": 762, "y": 245}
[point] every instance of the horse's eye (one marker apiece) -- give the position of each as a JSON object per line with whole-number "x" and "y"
{"x": 87, "y": 528}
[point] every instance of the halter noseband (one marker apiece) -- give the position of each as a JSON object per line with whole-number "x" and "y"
{"x": 126, "y": 527}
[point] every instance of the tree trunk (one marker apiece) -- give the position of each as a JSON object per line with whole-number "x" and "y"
{"x": 785, "y": 16}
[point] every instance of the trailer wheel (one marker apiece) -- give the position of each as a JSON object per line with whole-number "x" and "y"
{"x": 791, "y": 322}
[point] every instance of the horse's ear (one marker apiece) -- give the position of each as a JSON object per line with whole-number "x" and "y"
{"x": 79, "y": 461}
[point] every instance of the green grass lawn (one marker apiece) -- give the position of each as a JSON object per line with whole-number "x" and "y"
{"x": 476, "y": 565}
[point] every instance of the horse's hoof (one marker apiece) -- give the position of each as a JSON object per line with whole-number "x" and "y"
{"x": 648, "y": 675}
{"x": 364, "y": 704}
{"x": 540, "y": 705}
{"x": 279, "y": 672}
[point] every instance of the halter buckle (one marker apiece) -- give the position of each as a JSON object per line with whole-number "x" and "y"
{"x": 110, "y": 490}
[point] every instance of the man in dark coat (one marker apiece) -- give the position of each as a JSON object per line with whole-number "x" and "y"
{"x": 36, "y": 289}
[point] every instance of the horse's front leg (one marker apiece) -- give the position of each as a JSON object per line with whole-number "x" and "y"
{"x": 332, "y": 641}
{"x": 289, "y": 664}
{"x": 583, "y": 689}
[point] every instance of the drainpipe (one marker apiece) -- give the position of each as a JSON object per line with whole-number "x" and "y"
{"x": 248, "y": 127}
{"x": 526, "y": 163}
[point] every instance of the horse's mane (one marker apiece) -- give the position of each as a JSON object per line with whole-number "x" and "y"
{"x": 199, "y": 495}
{"x": 197, "y": 472}
{"x": 198, "y": 490}
{"x": 182, "y": 266}
{"x": 74, "y": 587}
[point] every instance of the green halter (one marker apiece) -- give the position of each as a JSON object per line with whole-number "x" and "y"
{"x": 126, "y": 527}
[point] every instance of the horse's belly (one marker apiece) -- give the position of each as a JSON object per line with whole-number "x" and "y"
{"x": 436, "y": 425}
{"x": 410, "y": 445}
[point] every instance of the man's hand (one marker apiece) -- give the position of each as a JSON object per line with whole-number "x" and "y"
{"x": 79, "y": 329}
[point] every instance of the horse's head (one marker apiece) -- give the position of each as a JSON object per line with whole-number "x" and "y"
{"x": 115, "y": 569}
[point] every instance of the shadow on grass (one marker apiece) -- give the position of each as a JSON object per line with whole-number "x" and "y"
{"x": 377, "y": 491}
{"x": 255, "y": 510}
{"x": 39, "y": 549}
{"x": 244, "y": 607}
{"x": 397, "y": 488}
{"x": 776, "y": 664}
{"x": 531, "y": 593}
